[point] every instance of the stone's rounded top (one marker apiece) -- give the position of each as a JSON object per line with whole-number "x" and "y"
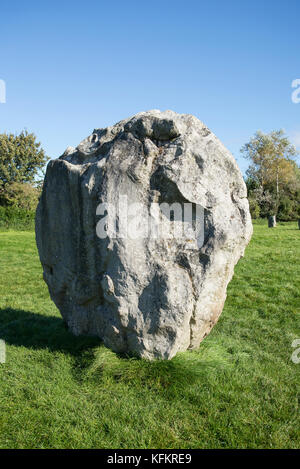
{"x": 68, "y": 151}
{"x": 89, "y": 145}
{"x": 156, "y": 125}
{"x": 152, "y": 127}
{"x": 168, "y": 138}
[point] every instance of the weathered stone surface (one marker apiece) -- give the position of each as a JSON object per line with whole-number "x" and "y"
{"x": 149, "y": 296}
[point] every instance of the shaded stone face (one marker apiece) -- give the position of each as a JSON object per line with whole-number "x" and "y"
{"x": 139, "y": 229}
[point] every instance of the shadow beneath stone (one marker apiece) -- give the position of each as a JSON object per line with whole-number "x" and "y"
{"x": 35, "y": 331}
{"x": 92, "y": 360}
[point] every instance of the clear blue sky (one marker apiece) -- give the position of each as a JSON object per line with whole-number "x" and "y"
{"x": 71, "y": 66}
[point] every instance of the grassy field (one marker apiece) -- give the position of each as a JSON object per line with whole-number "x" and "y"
{"x": 239, "y": 390}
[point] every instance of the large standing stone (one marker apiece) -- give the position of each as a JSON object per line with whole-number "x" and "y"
{"x": 148, "y": 296}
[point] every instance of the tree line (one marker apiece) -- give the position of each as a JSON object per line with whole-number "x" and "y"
{"x": 273, "y": 176}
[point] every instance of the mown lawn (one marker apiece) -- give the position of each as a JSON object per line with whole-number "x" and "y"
{"x": 239, "y": 390}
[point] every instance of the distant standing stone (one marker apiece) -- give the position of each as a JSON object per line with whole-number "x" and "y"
{"x": 272, "y": 221}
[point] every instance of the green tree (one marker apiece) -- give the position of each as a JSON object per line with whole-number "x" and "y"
{"x": 22, "y": 160}
{"x": 22, "y": 195}
{"x": 273, "y": 172}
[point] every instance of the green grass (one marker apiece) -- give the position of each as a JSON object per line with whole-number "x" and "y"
{"x": 240, "y": 389}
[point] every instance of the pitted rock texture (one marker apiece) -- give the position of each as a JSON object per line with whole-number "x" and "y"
{"x": 150, "y": 297}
